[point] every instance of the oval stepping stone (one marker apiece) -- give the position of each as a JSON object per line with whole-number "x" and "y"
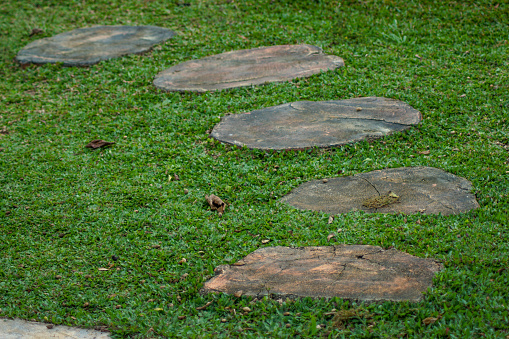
{"x": 407, "y": 190}
{"x": 247, "y": 67}
{"x": 355, "y": 272}
{"x": 306, "y": 124}
{"x": 88, "y": 46}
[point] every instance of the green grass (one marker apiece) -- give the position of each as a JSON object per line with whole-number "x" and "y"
{"x": 66, "y": 210}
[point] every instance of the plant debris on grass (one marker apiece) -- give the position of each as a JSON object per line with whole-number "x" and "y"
{"x": 449, "y": 60}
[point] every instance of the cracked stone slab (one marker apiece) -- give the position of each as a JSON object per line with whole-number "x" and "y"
{"x": 88, "y": 46}
{"x": 355, "y": 272}
{"x": 424, "y": 190}
{"x": 307, "y": 124}
{"x": 21, "y": 329}
{"x": 247, "y": 67}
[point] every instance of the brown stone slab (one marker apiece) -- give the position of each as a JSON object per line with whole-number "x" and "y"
{"x": 355, "y": 272}
{"x": 247, "y": 67}
{"x": 424, "y": 190}
{"x": 88, "y": 46}
{"x": 307, "y": 124}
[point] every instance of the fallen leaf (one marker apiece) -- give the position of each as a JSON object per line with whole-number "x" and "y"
{"x": 242, "y": 37}
{"x": 158, "y": 309}
{"x": 204, "y": 306}
{"x": 424, "y": 152}
{"x": 181, "y": 317}
{"x": 103, "y": 269}
{"x": 216, "y": 203}
{"x": 238, "y": 294}
{"x": 49, "y": 326}
{"x": 264, "y": 241}
{"x": 35, "y": 31}
{"x": 246, "y": 309}
{"x": 183, "y": 261}
{"x": 418, "y": 56}
{"x": 156, "y": 246}
{"x": 330, "y": 236}
{"x": 98, "y": 143}
{"x": 463, "y": 95}
{"x": 4, "y": 130}
{"x": 86, "y": 304}
{"x": 331, "y": 219}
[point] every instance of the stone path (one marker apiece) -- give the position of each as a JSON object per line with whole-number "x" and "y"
{"x": 21, "y": 329}
{"x": 247, "y": 67}
{"x": 424, "y": 190}
{"x": 306, "y": 124}
{"x": 88, "y": 46}
{"x": 355, "y": 272}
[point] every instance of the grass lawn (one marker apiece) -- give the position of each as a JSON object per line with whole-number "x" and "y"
{"x": 65, "y": 210}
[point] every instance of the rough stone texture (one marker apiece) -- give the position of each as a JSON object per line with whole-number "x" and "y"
{"x": 247, "y": 67}
{"x": 20, "y": 329}
{"x": 306, "y": 124}
{"x": 424, "y": 190}
{"x": 88, "y": 46}
{"x": 356, "y": 272}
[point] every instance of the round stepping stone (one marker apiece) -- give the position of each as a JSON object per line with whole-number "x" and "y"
{"x": 88, "y": 46}
{"x": 21, "y": 329}
{"x": 307, "y": 124}
{"x": 355, "y": 272}
{"x": 407, "y": 190}
{"x": 247, "y": 67}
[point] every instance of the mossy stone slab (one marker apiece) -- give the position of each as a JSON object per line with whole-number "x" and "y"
{"x": 425, "y": 190}
{"x": 355, "y": 272}
{"x": 247, "y": 67}
{"x": 307, "y": 124}
{"x": 88, "y": 46}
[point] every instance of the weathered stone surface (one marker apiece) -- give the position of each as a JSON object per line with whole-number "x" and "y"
{"x": 424, "y": 190}
{"x": 20, "y": 329}
{"x": 306, "y": 124}
{"x": 356, "y": 272}
{"x": 247, "y": 67}
{"x": 88, "y": 46}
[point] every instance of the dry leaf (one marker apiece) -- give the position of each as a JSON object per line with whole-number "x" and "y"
{"x": 216, "y": 203}
{"x": 156, "y": 246}
{"x": 264, "y": 241}
{"x": 204, "y": 306}
{"x": 4, "y": 130}
{"x": 246, "y": 309}
{"x": 103, "y": 269}
{"x": 183, "y": 261}
{"x": 35, "y": 31}
{"x": 98, "y": 143}
{"x": 330, "y": 236}
{"x": 424, "y": 152}
{"x": 238, "y": 294}
{"x": 331, "y": 219}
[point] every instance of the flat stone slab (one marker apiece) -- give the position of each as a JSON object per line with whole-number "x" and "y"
{"x": 21, "y": 329}
{"x": 88, "y": 46}
{"x": 247, "y": 67}
{"x": 355, "y": 272}
{"x": 424, "y": 190}
{"x": 307, "y": 124}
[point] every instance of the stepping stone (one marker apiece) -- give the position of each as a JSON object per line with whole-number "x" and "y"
{"x": 247, "y": 67}
{"x": 21, "y": 329}
{"x": 424, "y": 190}
{"x": 355, "y": 272}
{"x": 307, "y": 124}
{"x": 88, "y": 46}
